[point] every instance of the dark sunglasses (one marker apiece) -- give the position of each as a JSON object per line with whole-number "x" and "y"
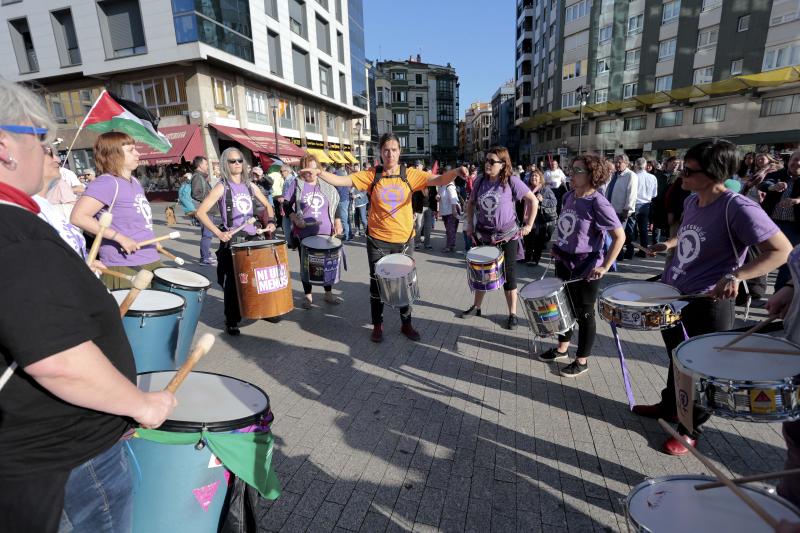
{"x": 232, "y": 161}
{"x": 491, "y": 162}
{"x": 686, "y": 171}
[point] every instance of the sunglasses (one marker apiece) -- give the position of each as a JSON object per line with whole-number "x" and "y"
{"x": 41, "y": 133}
{"x": 235, "y": 161}
{"x": 492, "y": 162}
{"x": 690, "y": 171}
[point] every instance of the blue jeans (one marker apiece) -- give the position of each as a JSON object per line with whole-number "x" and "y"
{"x": 205, "y": 240}
{"x": 344, "y": 214}
{"x": 99, "y": 494}
{"x": 360, "y": 218}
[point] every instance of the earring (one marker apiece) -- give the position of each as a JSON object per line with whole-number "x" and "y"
{"x": 10, "y": 163}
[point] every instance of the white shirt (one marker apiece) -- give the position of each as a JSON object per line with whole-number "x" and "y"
{"x": 647, "y": 188}
{"x": 623, "y": 197}
{"x": 448, "y": 197}
{"x": 70, "y": 177}
{"x": 554, "y": 178}
{"x": 55, "y": 217}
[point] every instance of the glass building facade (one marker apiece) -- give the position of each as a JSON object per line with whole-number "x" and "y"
{"x": 223, "y": 24}
{"x": 355, "y": 10}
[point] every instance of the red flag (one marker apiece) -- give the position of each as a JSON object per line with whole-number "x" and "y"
{"x": 435, "y": 169}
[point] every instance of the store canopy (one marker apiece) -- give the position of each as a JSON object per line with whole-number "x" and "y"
{"x": 187, "y": 143}
{"x": 349, "y": 156}
{"x": 320, "y": 154}
{"x": 338, "y": 157}
{"x": 263, "y": 142}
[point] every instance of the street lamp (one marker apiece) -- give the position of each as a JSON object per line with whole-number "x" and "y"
{"x": 583, "y": 92}
{"x": 274, "y": 105}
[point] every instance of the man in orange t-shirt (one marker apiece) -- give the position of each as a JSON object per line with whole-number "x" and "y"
{"x": 391, "y": 220}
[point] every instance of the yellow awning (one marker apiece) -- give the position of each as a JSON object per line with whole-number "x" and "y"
{"x": 337, "y": 157}
{"x": 321, "y": 156}
{"x": 350, "y": 157}
{"x": 652, "y": 98}
{"x": 684, "y": 93}
{"x": 728, "y": 86}
{"x": 771, "y": 78}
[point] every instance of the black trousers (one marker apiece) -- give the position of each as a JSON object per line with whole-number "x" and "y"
{"x": 541, "y": 235}
{"x": 376, "y": 249}
{"x": 510, "y": 249}
{"x": 306, "y": 285}
{"x": 583, "y": 294}
{"x": 699, "y": 317}
{"x": 227, "y": 278}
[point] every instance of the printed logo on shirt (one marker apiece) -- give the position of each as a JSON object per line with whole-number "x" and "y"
{"x": 243, "y": 203}
{"x": 690, "y": 239}
{"x": 74, "y": 238}
{"x": 143, "y": 208}
{"x": 315, "y": 200}
{"x": 489, "y": 202}
{"x": 567, "y": 223}
{"x": 392, "y": 195}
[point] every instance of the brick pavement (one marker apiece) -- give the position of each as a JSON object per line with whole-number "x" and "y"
{"x": 463, "y": 431}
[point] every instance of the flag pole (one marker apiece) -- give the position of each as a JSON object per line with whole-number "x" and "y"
{"x": 80, "y": 128}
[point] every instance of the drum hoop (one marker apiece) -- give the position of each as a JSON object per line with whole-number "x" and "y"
{"x": 413, "y": 262}
{"x": 312, "y": 248}
{"x": 248, "y": 245}
{"x": 156, "y": 312}
{"x": 780, "y": 342}
{"x": 183, "y": 426}
{"x": 548, "y": 295}
{"x": 176, "y": 285}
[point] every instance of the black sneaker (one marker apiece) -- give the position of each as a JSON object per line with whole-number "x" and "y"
{"x": 232, "y": 330}
{"x": 574, "y": 369}
{"x": 472, "y": 311}
{"x": 512, "y": 322}
{"x": 552, "y": 355}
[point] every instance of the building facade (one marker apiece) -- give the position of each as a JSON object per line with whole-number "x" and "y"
{"x": 235, "y": 71}
{"x": 656, "y": 76}
{"x": 504, "y": 132}
{"x": 478, "y": 131}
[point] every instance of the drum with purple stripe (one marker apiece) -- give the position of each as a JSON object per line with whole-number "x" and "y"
{"x": 485, "y": 268}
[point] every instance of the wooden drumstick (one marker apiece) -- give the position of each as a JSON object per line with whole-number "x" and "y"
{"x": 172, "y": 235}
{"x": 200, "y": 349}
{"x": 141, "y": 281}
{"x": 105, "y": 222}
{"x": 163, "y": 251}
{"x": 251, "y": 220}
{"x": 749, "y": 479}
{"x": 115, "y": 274}
{"x": 750, "y": 502}
{"x": 758, "y": 327}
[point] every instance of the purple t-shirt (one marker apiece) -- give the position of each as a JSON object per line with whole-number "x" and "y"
{"x": 583, "y": 223}
{"x": 242, "y": 203}
{"x": 132, "y": 217}
{"x": 314, "y": 206}
{"x": 705, "y": 253}
{"x": 494, "y": 202}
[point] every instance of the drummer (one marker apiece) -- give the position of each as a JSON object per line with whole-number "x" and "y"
{"x": 311, "y": 205}
{"x": 234, "y": 195}
{"x": 717, "y": 227}
{"x": 493, "y": 204}
{"x": 390, "y": 225}
{"x": 586, "y": 217}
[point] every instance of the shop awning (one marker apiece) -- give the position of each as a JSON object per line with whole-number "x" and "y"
{"x": 187, "y": 142}
{"x": 320, "y": 154}
{"x": 263, "y": 142}
{"x": 349, "y": 156}
{"x": 338, "y": 157}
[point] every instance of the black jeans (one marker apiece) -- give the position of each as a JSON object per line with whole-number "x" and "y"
{"x": 629, "y": 225}
{"x": 306, "y": 285}
{"x": 376, "y": 249}
{"x": 642, "y": 225}
{"x": 541, "y": 236}
{"x": 510, "y": 249}
{"x": 583, "y": 295}
{"x": 699, "y": 317}
{"x": 227, "y": 278}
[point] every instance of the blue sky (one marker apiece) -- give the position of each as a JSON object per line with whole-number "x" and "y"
{"x": 476, "y": 37}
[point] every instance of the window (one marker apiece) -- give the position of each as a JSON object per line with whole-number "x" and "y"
{"x": 664, "y": 83}
{"x": 340, "y": 46}
{"x": 420, "y": 144}
{"x": 121, "y": 28}
{"x": 600, "y": 96}
{"x": 301, "y": 67}
{"x": 69, "y": 107}
{"x": 311, "y": 118}
{"x": 400, "y": 75}
{"x": 629, "y": 90}
{"x": 161, "y": 96}
{"x": 286, "y": 113}
{"x": 330, "y": 124}
{"x": 223, "y": 94}
{"x": 418, "y": 79}
{"x": 606, "y": 126}
{"x": 570, "y": 99}
{"x": 707, "y": 37}
{"x": 708, "y": 5}
{"x": 323, "y": 3}
{"x": 632, "y": 59}
{"x": 23, "y": 46}
{"x": 274, "y": 48}
{"x": 403, "y": 141}
{"x": 635, "y": 123}
{"x": 703, "y": 75}
{"x": 575, "y": 128}
{"x": 603, "y": 65}
{"x": 66, "y": 39}
{"x": 297, "y": 18}
{"x": 419, "y": 120}
{"x": 419, "y": 100}
{"x": 399, "y": 96}
{"x": 400, "y": 119}
{"x": 736, "y": 66}
{"x": 573, "y": 70}
{"x": 668, "y": 119}
{"x": 604, "y": 34}
{"x": 257, "y": 103}
{"x": 744, "y": 23}
{"x": 325, "y": 80}
{"x": 784, "y": 56}
{"x": 783, "y": 19}
{"x": 635, "y": 24}
{"x": 671, "y": 12}
{"x": 323, "y": 35}
{"x": 780, "y": 105}
{"x": 712, "y": 113}
{"x": 342, "y": 88}
{"x": 578, "y": 10}
{"x": 223, "y": 24}
{"x": 666, "y": 49}
{"x": 339, "y": 10}
{"x": 271, "y": 7}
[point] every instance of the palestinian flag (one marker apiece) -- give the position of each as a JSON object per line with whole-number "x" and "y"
{"x": 110, "y": 113}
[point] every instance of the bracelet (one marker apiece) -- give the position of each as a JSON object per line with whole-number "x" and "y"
{"x": 114, "y": 236}
{"x": 272, "y": 220}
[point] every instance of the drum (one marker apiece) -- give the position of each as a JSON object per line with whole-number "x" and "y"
{"x": 396, "y": 275}
{"x": 759, "y": 387}
{"x": 263, "y": 283}
{"x": 626, "y": 305}
{"x": 182, "y": 487}
{"x": 547, "y": 306}
{"x": 671, "y": 503}
{"x": 319, "y": 260}
{"x": 485, "y": 270}
{"x": 152, "y": 325}
{"x": 193, "y": 288}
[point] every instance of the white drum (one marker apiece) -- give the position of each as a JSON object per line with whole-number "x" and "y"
{"x": 548, "y": 307}
{"x": 396, "y": 275}
{"x": 485, "y": 268}
{"x": 640, "y": 305}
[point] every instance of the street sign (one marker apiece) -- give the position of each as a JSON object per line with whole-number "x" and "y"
{"x": 562, "y": 151}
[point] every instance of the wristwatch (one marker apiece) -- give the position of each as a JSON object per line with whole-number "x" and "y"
{"x": 731, "y": 277}
{"x": 272, "y": 221}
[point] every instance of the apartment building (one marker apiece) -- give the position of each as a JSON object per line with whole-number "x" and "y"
{"x": 656, "y": 76}
{"x": 218, "y": 73}
{"x": 503, "y": 130}
{"x": 478, "y": 126}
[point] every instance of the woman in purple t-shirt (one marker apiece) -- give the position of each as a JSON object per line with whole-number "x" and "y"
{"x": 236, "y": 189}
{"x": 312, "y": 205}
{"x": 716, "y": 229}
{"x": 586, "y": 217}
{"x": 492, "y": 203}
{"x": 116, "y": 190}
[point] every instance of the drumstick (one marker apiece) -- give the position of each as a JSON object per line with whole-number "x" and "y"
{"x": 200, "y": 349}
{"x": 247, "y": 222}
{"x": 115, "y": 274}
{"x": 172, "y": 235}
{"x": 141, "y": 281}
{"x": 669, "y": 298}
{"x": 105, "y": 222}
{"x": 766, "y": 517}
{"x": 758, "y": 327}
{"x": 163, "y": 251}
{"x": 757, "y": 349}
{"x": 749, "y": 479}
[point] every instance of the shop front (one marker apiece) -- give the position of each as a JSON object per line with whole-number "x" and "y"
{"x": 159, "y": 172}
{"x": 266, "y": 148}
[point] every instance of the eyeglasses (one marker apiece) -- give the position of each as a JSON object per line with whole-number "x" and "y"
{"x": 686, "y": 171}
{"x": 491, "y": 161}
{"x": 579, "y": 170}
{"x": 235, "y": 161}
{"x": 41, "y": 133}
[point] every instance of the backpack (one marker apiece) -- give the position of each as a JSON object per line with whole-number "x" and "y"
{"x": 379, "y": 175}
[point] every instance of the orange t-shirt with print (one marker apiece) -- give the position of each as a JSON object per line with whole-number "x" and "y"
{"x": 390, "y": 216}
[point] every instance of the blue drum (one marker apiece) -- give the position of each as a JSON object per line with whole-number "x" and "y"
{"x": 152, "y": 324}
{"x": 193, "y": 288}
{"x": 181, "y": 486}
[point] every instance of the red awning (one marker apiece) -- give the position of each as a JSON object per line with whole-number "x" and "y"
{"x": 187, "y": 142}
{"x": 262, "y": 142}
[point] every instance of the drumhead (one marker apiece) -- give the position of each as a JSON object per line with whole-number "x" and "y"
{"x": 151, "y": 302}
{"x": 635, "y": 293}
{"x": 672, "y": 503}
{"x": 182, "y": 278}
{"x": 698, "y": 354}
{"x": 394, "y": 266}
{"x": 483, "y": 254}
{"x": 319, "y": 242}
{"x": 542, "y": 287}
{"x": 213, "y": 401}
{"x": 257, "y": 244}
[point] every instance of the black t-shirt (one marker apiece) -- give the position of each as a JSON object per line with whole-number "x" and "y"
{"x": 51, "y": 302}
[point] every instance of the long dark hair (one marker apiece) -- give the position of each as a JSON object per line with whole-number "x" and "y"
{"x": 386, "y": 137}
{"x": 502, "y": 153}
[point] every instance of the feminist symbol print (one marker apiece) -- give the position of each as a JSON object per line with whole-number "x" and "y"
{"x": 392, "y": 196}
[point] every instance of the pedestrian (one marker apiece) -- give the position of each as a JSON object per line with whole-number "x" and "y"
{"x": 555, "y": 178}
{"x": 185, "y": 198}
{"x": 646, "y": 190}
{"x": 621, "y": 192}
{"x": 64, "y": 193}
{"x": 418, "y": 199}
{"x": 430, "y": 214}
{"x": 782, "y": 204}
{"x": 545, "y": 221}
{"x": 360, "y": 204}
{"x": 469, "y": 181}
{"x": 287, "y": 173}
{"x": 201, "y": 187}
{"x": 765, "y": 164}
{"x": 658, "y": 212}
{"x": 344, "y": 208}
{"x": 88, "y": 176}
{"x": 450, "y": 210}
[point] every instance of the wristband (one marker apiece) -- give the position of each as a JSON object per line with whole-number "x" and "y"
{"x": 272, "y": 220}
{"x": 115, "y": 235}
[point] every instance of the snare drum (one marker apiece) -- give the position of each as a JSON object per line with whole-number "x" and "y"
{"x": 152, "y": 325}
{"x": 319, "y": 260}
{"x": 193, "y": 288}
{"x": 485, "y": 268}
{"x": 263, "y": 283}
{"x": 181, "y": 486}
{"x": 626, "y": 305}
{"x": 671, "y": 503}
{"x": 758, "y": 387}
{"x": 396, "y": 275}
{"x": 547, "y": 306}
